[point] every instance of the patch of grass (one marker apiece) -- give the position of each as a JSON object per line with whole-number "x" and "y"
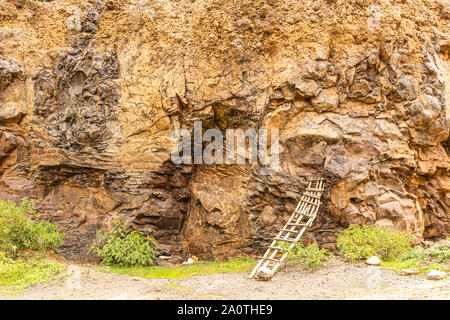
{"x": 25, "y": 271}
{"x": 422, "y": 259}
{"x": 362, "y": 242}
{"x": 198, "y": 269}
{"x": 412, "y": 263}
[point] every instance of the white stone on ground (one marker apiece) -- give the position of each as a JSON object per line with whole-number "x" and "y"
{"x": 189, "y": 261}
{"x": 373, "y": 261}
{"x": 435, "y": 275}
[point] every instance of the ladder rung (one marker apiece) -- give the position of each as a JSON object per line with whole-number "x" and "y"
{"x": 279, "y": 248}
{"x": 291, "y": 231}
{"x": 318, "y": 179}
{"x": 311, "y": 196}
{"x": 310, "y": 202}
{"x": 314, "y": 189}
{"x": 270, "y": 259}
{"x": 297, "y": 224}
{"x": 304, "y": 214}
{"x": 287, "y": 240}
{"x": 309, "y": 215}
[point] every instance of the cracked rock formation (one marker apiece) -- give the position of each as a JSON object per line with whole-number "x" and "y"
{"x": 91, "y": 92}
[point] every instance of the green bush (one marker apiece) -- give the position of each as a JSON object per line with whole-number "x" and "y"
{"x": 422, "y": 259}
{"x": 19, "y": 232}
{"x": 417, "y": 253}
{"x": 438, "y": 253}
{"x": 362, "y": 242}
{"x": 309, "y": 257}
{"x": 123, "y": 246}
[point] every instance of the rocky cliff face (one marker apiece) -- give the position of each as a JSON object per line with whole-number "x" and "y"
{"x": 91, "y": 92}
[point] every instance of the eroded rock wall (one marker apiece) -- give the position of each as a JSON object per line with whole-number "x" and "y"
{"x": 91, "y": 92}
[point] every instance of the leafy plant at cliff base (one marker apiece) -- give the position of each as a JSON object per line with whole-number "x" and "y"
{"x": 309, "y": 257}
{"x": 18, "y": 231}
{"x": 362, "y": 242}
{"x": 423, "y": 259}
{"x": 124, "y": 246}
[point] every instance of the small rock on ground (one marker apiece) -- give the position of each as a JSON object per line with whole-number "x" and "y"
{"x": 188, "y": 261}
{"x": 373, "y": 261}
{"x": 435, "y": 275}
{"x": 409, "y": 272}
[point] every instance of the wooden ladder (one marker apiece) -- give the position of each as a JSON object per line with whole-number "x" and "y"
{"x": 302, "y": 218}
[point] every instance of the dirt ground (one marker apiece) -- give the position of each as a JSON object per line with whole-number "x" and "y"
{"x": 337, "y": 280}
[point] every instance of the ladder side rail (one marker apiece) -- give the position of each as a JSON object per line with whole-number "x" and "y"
{"x": 268, "y": 254}
{"x": 304, "y": 208}
{"x": 279, "y": 236}
{"x": 316, "y": 209}
{"x": 297, "y": 238}
{"x": 311, "y": 210}
{"x": 299, "y": 203}
{"x": 265, "y": 263}
{"x": 286, "y": 253}
{"x": 275, "y": 251}
{"x": 300, "y": 208}
{"x": 299, "y": 216}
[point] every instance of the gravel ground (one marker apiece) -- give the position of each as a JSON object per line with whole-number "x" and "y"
{"x": 336, "y": 280}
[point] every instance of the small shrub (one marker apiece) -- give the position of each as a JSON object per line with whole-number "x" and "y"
{"x": 439, "y": 253}
{"x": 422, "y": 259}
{"x": 309, "y": 257}
{"x": 19, "y": 232}
{"x": 362, "y": 242}
{"x": 417, "y": 253}
{"x": 123, "y": 246}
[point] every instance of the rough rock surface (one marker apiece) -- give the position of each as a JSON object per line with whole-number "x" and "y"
{"x": 91, "y": 91}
